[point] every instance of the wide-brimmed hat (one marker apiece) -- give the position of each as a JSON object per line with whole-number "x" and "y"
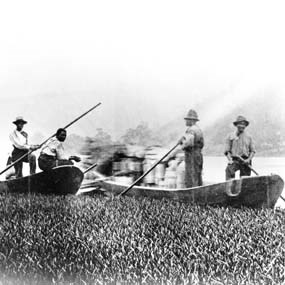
{"x": 20, "y": 119}
{"x": 241, "y": 119}
{"x": 192, "y": 115}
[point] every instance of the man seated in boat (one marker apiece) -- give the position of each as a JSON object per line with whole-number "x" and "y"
{"x": 53, "y": 153}
{"x": 19, "y": 140}
{"x": 192, "y": 144}
{"x": 239, "y": 150}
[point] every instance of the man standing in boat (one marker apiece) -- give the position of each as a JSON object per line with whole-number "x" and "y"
{"x": 192, "y": 144}
{"x": 19, "y": 139}
{"x": 53, "y": 153}
{"x": 239, "y": 150}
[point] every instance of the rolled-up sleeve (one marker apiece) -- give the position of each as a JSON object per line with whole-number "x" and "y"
{"x": 228, "y": 145}
{"x": 251, "y": 146}
{"x": 189, "y": 141}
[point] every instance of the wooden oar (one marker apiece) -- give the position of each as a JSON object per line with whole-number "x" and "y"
{"x": 31, "y": 151}
{"x": 282, "y": 198}
{"x": 90, "y": 168}
{"x": 148, "y": 171}
{"x": 249, "y": 166}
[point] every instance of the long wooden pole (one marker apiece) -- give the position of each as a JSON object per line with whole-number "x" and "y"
{"x": 90, "y": 168}
{"x": 255, "y": 172}
{"x": 148, "y": 171}
{"x": 248, "y": 165}
{"x": 30, "y": 151}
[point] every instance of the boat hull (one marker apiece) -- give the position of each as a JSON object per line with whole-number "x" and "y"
{"x": 255, "y": 192}
{"x": 60, "y": 180}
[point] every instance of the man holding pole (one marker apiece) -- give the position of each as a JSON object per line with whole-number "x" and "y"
{"x": 192, "y": 144}
{"x": 53, "y": 153}
{"x": 19, "y": 139}
{"x": 31, "y": 149}
{"x": 239, "y": 150}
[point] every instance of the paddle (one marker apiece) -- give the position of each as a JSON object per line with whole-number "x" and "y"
{"x": 90, "y": 168}
{"x": 249, "y": 166}
{"x": 30, "y": 151}
{"x": 148, "y": 171}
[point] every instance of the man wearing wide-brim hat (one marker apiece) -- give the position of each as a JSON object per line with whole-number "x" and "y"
{"x": 19, "y": 140}
{"x": 192, "y": 144}
{"x": 239, "y": 149}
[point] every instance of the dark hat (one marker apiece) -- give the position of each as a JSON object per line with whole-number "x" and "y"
{"x": 20, "y": 119}
{"x": 241, "y": 119}
{"x": 192, "y": 115}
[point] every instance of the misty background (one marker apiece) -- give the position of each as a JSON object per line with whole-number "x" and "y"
{"x": 147, "y": 62}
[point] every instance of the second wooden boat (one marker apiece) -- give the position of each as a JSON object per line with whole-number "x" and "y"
{"x": 255, "y": 192}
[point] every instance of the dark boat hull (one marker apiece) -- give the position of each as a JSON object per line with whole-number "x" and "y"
{"x": 255, "y": 192}
{"x": 61, "y": 180}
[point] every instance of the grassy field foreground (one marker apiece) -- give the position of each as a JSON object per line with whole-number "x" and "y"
{"x": 76, "y": 239}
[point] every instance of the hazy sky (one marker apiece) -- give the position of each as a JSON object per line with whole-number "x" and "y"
{"x": 168, "y": 54}
{"x": 186, "y": 48}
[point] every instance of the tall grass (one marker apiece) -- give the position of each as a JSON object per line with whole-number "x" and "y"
{"x": 77, "y": 239}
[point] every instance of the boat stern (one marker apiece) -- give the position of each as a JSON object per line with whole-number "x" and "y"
{"x": 275, "y": 186}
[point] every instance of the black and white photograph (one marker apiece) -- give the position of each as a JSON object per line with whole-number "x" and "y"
{"x": 142, "y": 142}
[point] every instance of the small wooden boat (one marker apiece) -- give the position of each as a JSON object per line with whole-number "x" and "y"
{"x": 60, "y": 180}
{"x": 255, "y": 192}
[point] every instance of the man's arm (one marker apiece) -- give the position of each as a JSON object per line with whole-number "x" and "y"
{"x": 230, "y": 158}
{"x": 75, "y": 158}
{"x": 189, "y": 141}
{"x": 228, "y": 150}
{"x": 251, "y": 156}
{"x": 252, "y": 151}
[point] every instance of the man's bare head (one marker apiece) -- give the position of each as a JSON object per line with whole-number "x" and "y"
{"x": 61, "y": 134}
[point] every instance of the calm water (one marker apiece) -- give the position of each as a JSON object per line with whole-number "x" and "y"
{"x": 214, "y": 169}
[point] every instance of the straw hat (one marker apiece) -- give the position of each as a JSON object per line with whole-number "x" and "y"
{"x": 192, "y": 115}
{"x": 20, "y": 119}
{"x": 241, "y": 119}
